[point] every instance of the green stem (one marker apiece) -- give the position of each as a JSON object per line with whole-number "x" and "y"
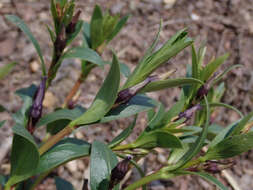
{"x": 148, "y": 179}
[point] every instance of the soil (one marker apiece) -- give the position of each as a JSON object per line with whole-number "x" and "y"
{"x": 224, "y": 26}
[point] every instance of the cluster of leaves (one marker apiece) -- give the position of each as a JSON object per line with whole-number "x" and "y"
{"x": 201, "y": 93}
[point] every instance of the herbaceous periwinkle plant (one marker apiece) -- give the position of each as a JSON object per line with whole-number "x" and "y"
{"x": 184, "y": 128}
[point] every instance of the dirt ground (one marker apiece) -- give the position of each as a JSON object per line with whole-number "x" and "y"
{"x": 225, "y": 26}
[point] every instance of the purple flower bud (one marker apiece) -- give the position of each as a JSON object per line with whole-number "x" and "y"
{"x": 36, "y": 109}
{"x": 119, "y": 172}
{"x": 189, "y": 112}
{"x": 71, "y": 27}
{"x": 125, "y": 95}
{"x": 211, "y": 167}
{"x": 202, "y": 91}
{"x": 59, "y": 44}
{"x": 85, "y": 184}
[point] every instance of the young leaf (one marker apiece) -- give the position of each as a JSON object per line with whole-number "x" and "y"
{"x": 169, "y": 83}
{"x": 51, "y": 33}
{"x": 123, "y": 135}
{"x": 207, "y": 177}
{"x": 66, "y": 150}
{"x": 6, "y": 69}
{"x": 18, "y": 22}
{"x": 86, "y": 54}
{"x": 117, "y": 28}
{"x": 62, "y": 184}
{"x": 211, "y": 67}
{"x": 96, "y": 29}
{"x": 102, "y": 160}
{"x": 151, "y": 62}
{"x": 104, "y": 99}
{"x": 139, "y": 103}
{"x": 231, "y": 146}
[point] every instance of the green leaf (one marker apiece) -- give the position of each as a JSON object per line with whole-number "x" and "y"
{"x": 211, "y": 67}
{"x": 156, "y": 118}
{"x": 6, "y": 69}
{"x": 174, "y": 110}
{"x": 196, "y": 147}
{"x": 64, "y": 151}
{"x": 96, "y": 28}
{"x": 78, "y": 28}
{"x": 241, "y": 124}
{"x": 231, "y": 146}
{"x": 109, "y": 23}
{"x": 124, "y": 69}
{"x": 86, "y": 54}
{"x": 137, "y": 104}
{"x": 67, "y": 114}
{"x": 157, "y": 138}
{"x": 169, "y": 83}
{"x": 51, "y": 33}
{"x": 222, "y": 134}
{"x": 219, "y": 104}
{"x": 86, "y": 35}
{"x": 207, "y": 177}
{"x": 62, "y": 184}
{"x": 123, "y": 135}
{"x": 151, "y": 62}
{"x": 178, "y": 153}
{"x": 117, "y": 28}
{"x": 195, "y": 66}
{"x": 102, "y": 161}
{"x": 104, "y": 99}
{"x": 55, "y": 16}
{"x": 18, "y": 22}
{"x": 24, "y": 155}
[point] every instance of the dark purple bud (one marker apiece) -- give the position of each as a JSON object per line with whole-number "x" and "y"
{"x": 125, "y": 95}
{"x": 189, "y": 112}
{"x": 71, "y": 27}
{"x": 119, "y": 172}
{"x": 85, "y": 184}
{"x": 60, "y": 43}
{"x": 211, "y": 167}
{"x": 202, "y": 91}
{"x": 36, "y": 109}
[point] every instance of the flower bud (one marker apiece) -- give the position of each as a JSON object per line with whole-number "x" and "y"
{"x": 119, "y": 172}
{"x": 189, "y": 112}
{"x": 125, "y": 95}
{"x": 60, "y": 43}
{"x": 202, "y": 91}
{"x": 71, "y": 27}
{"x": 36, "y": 109}
{"x": 85, "y": 184}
